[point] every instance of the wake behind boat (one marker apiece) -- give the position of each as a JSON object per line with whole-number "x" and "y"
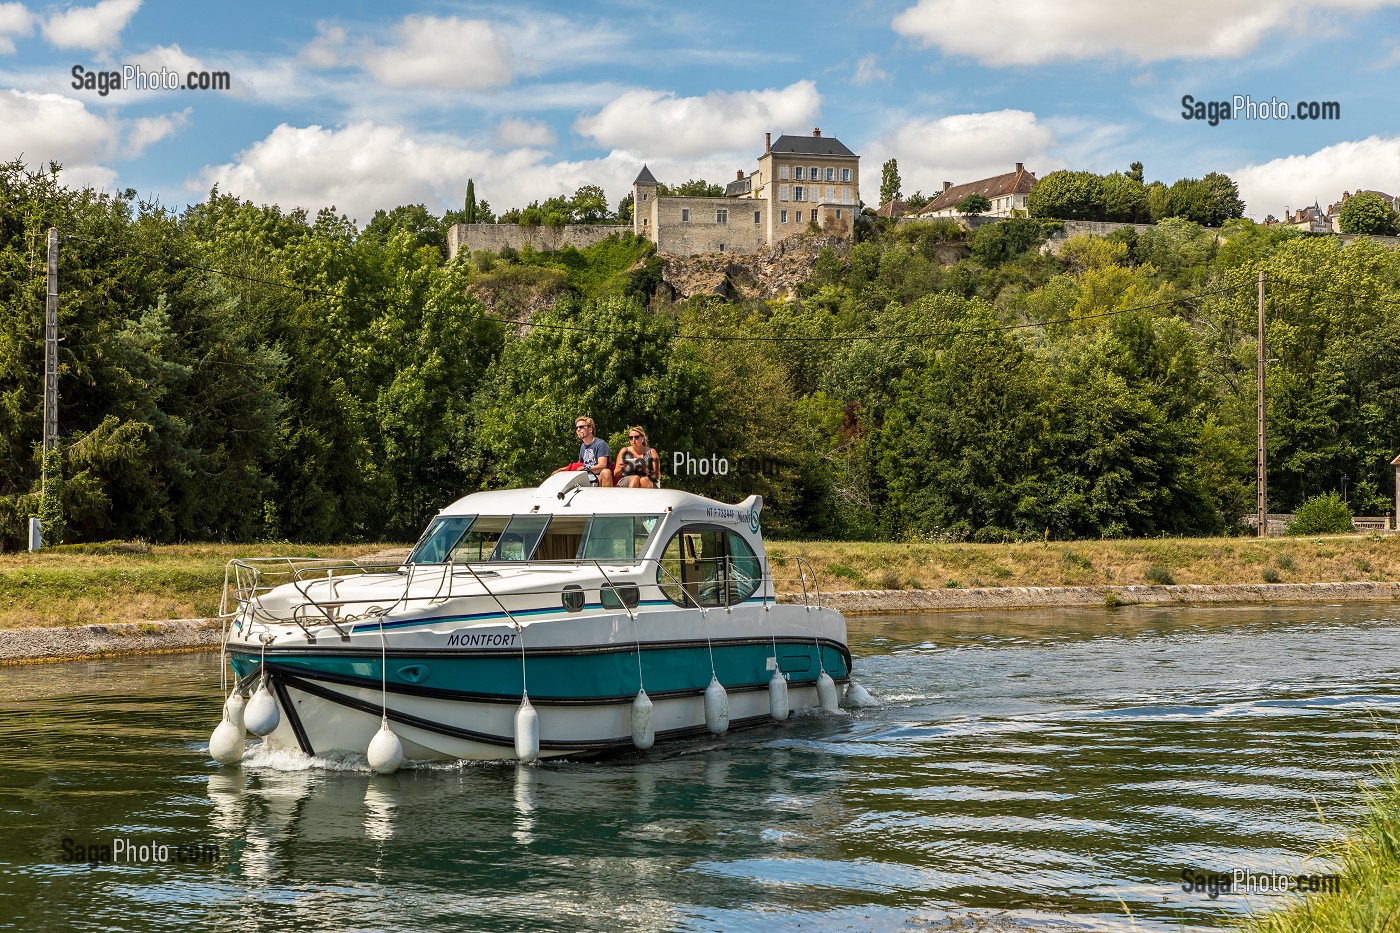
{"x": 562, "y": 620}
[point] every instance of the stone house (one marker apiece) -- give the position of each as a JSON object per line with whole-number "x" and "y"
{"x": 1007, "y": 193}
{"x": 1334, "y": 211}
{"x": 800, "y": 181}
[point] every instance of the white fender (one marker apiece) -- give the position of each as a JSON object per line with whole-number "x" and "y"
{"x": 778, "y": 696}
{"x": 226, "y": 744}
{"x": 261, "y": 715}
{"x": 527, "y": 731}
{"x": 826, "y": 692}
{"x": 857, "y": 697}
{"x": 643, "y": 728}
{"x": 233, "y": 708}
{"x": 716, "y": 707}
{"x": 385, "y": 752}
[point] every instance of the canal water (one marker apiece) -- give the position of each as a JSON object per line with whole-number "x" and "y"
{"x": 1049, "y": 770}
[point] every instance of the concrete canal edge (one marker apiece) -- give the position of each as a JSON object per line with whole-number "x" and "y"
{"x": 66, "y": 643}
{"x": 1051, "y": 597}
{"x": 100, "y": 641}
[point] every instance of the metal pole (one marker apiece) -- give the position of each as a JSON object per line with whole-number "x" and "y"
{"x": 51, "y": 351}
{"x": 1263, "y": 478}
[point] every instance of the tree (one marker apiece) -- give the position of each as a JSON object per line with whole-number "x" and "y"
{"x": 1066, "y": 195}
{"x": 1208, "y": 201}
{"x": 624, "y": 208}
{"x": 1135, "y": 172}
{"x": 1367, "y": 212}
{"x": 1125, "y": 198}
{"x": 889, "y": 182}
{"x": 693, "y": 188}
{"x": 973, "y": 204}
{"x": 470, "y": 209}
{"x": 589, "y": 205}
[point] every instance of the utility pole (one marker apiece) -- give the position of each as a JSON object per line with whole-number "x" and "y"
{"x": 1263, "y": 451}
{"x": 51, "y": 351}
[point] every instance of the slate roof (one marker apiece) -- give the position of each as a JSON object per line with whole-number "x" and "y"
{"x": 894, "y": 208}
{"x": 998, "y": 186}
{"x": 645, "y": 177}
{"x": 739, "y": 187}
{"x": 810, "y": 145}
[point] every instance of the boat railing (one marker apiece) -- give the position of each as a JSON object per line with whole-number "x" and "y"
{"x": 706, "y": 583}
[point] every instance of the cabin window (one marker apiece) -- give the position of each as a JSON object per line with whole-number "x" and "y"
{"x": 521, "y": 536}
{"x": 479, "y": 543}
{"x": 572, "y": 597}
{"x": 705, "y": 565}
{"x": 619, "y": 595}
{"x": 618, "y": 537}
{"x": 441, "y": 537}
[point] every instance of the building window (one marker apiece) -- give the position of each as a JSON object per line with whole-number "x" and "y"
{"x": 838, "y": 213}
{"x": 846, "y": 196}
{"x": 798, "y": 193}
{"x": 685, "y": 215}
{"x": 782, "y": 217}
{"x": 782, "y": 192}
{"x": 831, "y": 194}
{"x": 722, "y": 216}
{"x": 783, "y": 172}
{"x": 845, "y": 174}
{"x": 814, "y": 215}
{"x": 831, "y": 174}
{"x": 814, "y": 173}
{"x": 757, "y": 217}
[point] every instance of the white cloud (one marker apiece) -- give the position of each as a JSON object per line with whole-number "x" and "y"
{"x": 93, "y": 27}
{"x": 868, "y": 70}
{"x": 1033, "y": 33}
{"x": 514, "y": 131}
{"x": 366, "y": 167}
{"x": 50, "y": 127}
{"x": 434, "y": 52}
{"x": 325, "y": 50}
{"x": 958, "y": 148}
{"x": 1299, "y": 180}
{"x": 146, "y": 131}
{"x": 658, "y": 123}
{"x": 15, "y": 20}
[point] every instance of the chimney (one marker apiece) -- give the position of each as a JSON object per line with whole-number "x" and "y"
{"x": 1020, "y": 167}
{"x": 817, "y": 132}
{"x": 767, "y": 143}
{"x": 739, "y": 175}
{"x": 947, "y": 185}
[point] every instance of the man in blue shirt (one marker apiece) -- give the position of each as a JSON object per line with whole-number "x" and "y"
{"x": 593, "y": 452}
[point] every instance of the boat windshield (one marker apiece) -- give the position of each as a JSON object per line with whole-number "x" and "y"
{"x": 514, "y": 538}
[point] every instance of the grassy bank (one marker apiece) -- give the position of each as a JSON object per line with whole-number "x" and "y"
{"x": 133, "y": 583}
{"x": 1368, "y": 860}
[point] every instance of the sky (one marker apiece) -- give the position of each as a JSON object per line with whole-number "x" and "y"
{"x": 365, "y": 106}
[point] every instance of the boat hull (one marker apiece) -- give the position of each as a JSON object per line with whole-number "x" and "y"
{"x": 459, "y": 700}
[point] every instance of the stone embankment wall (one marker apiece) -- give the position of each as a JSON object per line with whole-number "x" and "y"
{"x": 98, "y": 641}
{"x": 473, "y": 237}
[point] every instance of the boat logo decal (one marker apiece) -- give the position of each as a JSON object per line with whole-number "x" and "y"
{"x": 481, "y": 639}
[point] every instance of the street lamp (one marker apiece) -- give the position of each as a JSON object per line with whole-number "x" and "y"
{"x": 1344, "y": 487}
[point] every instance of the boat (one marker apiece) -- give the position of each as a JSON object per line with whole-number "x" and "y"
{"x": 562, "y": 620}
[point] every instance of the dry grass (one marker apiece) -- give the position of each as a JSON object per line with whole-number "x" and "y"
{"x": 129, "y": 582}
{"x": 861, "y": 565}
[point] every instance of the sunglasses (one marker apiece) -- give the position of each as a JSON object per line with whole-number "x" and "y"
{"x": 580, "y": 427}
{"x": 634, "y": 437}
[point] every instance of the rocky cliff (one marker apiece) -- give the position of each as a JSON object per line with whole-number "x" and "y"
{"x": 771, "y": 272}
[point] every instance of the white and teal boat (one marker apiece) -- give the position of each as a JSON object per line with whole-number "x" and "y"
{"x": 561, "y": 620}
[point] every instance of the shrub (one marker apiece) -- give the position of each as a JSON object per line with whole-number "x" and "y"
{"x": 1158, "y": 575}
{"x": 1285, "y": 562}
{"x": 1324, "y": 514}
{"x": 1269, "y": 575}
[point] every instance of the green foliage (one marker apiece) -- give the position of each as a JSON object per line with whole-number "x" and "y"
{"x": 1369, "y": 213}
{"x": 973, "y": 204}
{"x": 345, "y": 384}
{"x": 1321, "y": 515}
{"x": 889, "y": 181}
{"x": 1066, "y": 195}
{"x": 1158, "y": 575}
{"x": 693, "y": 188}
{"x": 51, "y": 519}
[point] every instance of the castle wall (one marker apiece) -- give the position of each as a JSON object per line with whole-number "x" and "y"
{"x": 690, "y": 226}
{"x": 473, "y": 237}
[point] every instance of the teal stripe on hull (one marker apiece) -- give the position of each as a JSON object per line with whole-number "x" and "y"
{"x": 563, "y": 676}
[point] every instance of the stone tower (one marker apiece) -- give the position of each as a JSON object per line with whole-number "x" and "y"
{"x": 644, "y": 216}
